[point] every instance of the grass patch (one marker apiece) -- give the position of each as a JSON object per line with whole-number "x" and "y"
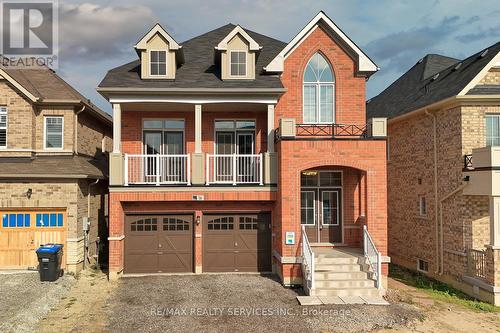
{"x": 438, "y": 290}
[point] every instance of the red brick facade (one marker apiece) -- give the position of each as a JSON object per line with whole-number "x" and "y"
{"x": 362, "y": 161}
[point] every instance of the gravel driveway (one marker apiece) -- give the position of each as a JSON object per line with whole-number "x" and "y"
{"x": 236, "y": 303}
{"x": 24, "y": 300}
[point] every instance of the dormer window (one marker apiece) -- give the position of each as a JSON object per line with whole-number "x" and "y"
{"x": 238, "y": 63}
{"x": 158, "y": 63}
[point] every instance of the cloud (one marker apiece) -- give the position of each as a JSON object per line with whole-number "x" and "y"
{"x": 91, "y": 32}
{"x": 479, "y": 35}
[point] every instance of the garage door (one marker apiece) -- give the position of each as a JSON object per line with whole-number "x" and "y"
{"x": 237, "y": 243}
{"x": 22, "y": 232}
{"x": 158, "y": 244}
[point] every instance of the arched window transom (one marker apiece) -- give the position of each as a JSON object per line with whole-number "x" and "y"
{"x": 319, "y": 91}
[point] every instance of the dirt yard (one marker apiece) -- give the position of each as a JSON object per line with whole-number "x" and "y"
{"x": 228, "y": 303}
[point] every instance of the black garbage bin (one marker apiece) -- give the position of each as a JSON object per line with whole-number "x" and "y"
{"x": 49, "y": 261}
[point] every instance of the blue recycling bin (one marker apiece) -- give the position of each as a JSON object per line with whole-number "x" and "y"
{"x": 49, "y": 261}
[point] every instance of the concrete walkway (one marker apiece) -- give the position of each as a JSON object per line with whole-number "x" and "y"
{"x": 326, "y": 300}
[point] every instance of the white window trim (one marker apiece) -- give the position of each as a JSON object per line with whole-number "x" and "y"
{"x": 45, "y": 133}
{"x": 318, "y": 99}
{"x": 246, "y": 64}
{"x": 418, "y": 266}
{"x": 6, "y": 126}
{"x": 235, "y": 131}
{"x": 421, "y": 206}
{"x": 314, "y": 207}
{"x": 490, "y": 115}
{"x": 166, "y": 63}
{"x": 338, "y": 207}
{"x": 162, "y": 130}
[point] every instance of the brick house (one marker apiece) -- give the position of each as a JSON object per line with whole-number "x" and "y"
{"x": 443, "y": 131}
{"x": 53, "y": 169}
{"x": 231, "y": 144}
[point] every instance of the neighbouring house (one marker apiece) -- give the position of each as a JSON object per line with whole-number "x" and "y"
{"x": 53, "y": 169}
{"x": 236, "y": 152}
{"x": 443, "y": 169}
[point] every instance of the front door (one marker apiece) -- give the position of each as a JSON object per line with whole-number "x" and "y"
{"x": 321, "y": 206}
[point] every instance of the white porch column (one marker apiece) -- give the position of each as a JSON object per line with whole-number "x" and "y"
{"x": 495, "y": 222}
{"x": 270, "y": 128}
{"x": 197, "y": 129}
{"x": 117, "y": 128}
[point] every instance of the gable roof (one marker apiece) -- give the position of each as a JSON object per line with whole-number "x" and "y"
{"x": 157, "y": 29}
{"x": 365, "y": 64}
{"x": 252, "y": 44}
{"x": 420, "y": 87}
{"x": 199, "y": 70}
{"x": 43, "y": 85}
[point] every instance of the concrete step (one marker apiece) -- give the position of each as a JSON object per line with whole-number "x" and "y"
{"x": 345, "y": 292}
{"x": 337, "y": 260}
{"x": 337, "y": 267}
{"x": 330, "y": 276}
{"x": 360, "y": 283}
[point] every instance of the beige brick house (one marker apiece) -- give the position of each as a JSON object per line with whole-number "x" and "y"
{"x": 53, "y": 162}
{"x": 443, "y": 169}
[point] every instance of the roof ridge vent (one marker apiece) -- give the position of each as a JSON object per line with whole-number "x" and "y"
{"x": 457, "y": 66}
{"x": 485, "y": 52}
{"x": 434, "y": 78}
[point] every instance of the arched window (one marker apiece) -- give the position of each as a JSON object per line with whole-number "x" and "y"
{"x": 319, "y": 91}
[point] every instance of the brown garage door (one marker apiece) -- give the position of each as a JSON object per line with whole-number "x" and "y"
{"x": 237, "y": 243}
{"x": 158, "y": 244}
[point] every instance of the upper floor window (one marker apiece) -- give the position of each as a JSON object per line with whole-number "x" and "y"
{"x": 158, "y": 63}
{"x": 319, "y": 91}
{"x": 238, "y": 63}
{"x": 492, "y": 130}
{"x": 54, "y": 132}
{"x": 3, "y": 127}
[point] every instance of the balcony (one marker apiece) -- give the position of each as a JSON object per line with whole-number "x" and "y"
{"x": 176, "y": 169}
{"x": 157, "y": 170}
{"x": 482, "y": 168}
{"x": 234, "y": 169}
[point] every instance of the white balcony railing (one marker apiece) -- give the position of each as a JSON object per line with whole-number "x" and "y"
{"x": 234, "y": 169}
{"x": 157, "y": 169}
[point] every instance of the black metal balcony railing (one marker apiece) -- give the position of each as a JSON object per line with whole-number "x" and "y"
{"x": 328, "y": 130}
{"x": 468, "y": 162}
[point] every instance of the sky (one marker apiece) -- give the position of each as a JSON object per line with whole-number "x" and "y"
{"x": 97, "y": 36}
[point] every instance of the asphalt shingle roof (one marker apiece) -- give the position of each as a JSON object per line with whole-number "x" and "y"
{"x": 419, "y": 87}
{"x": 199, "y": 69}
{"x": 54, "y": 167}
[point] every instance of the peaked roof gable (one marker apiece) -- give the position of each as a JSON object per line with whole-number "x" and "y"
{"x": 365, "y": 64}
{"x": 157, "y": 29}
{"x": 253, "y": 45}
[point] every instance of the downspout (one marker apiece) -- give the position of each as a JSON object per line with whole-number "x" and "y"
{"x": 85, "y": 236}
{"x": 436, "y": 200}
{"x": 75, "y": 140}
{"x": 441, "y": 254}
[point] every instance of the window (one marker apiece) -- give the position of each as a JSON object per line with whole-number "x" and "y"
{"x": 422, "y": 266}
{"x": 307, "y": 211}
{"x": 44, "y": 220}
{"x": 158, "y": 63}
{"x": 148, "y": 224}
{"x": 318, "y": 99}
{"x": 422, "y": 206}
{"x": 249, "y": 223}
{"x": 492, "y": 130}
{"x": 238, "y": 63}
{"x": 222, "y": 223}
{"x": 173, "y": 224}
{"x": 3, "y": 127}
{"x": 16, "y": 220}
{"x": 54, "y": 132}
